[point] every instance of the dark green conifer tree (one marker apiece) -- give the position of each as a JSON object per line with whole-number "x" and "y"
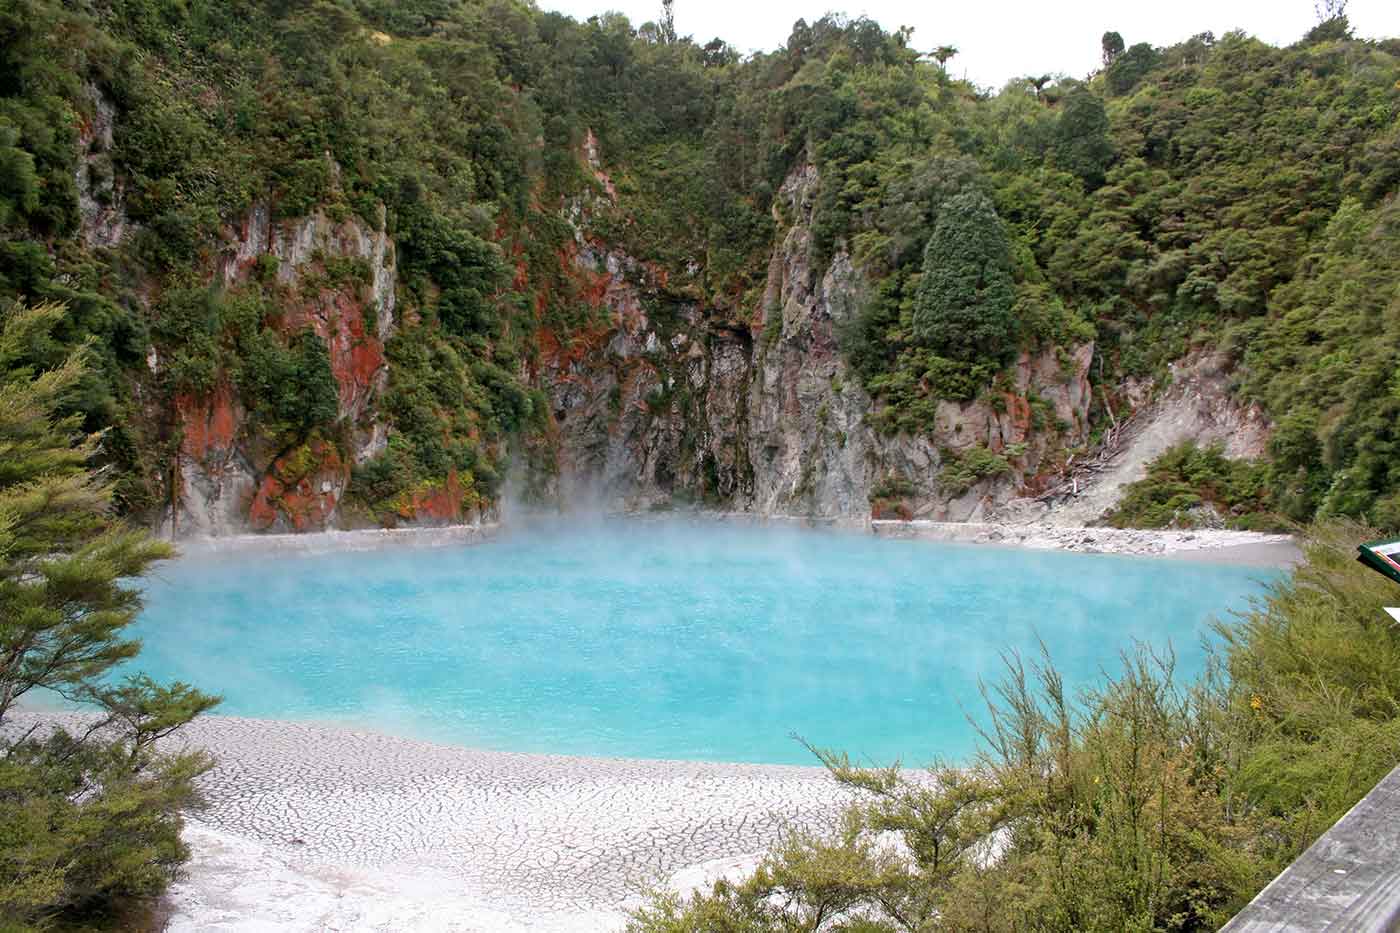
{"x": 1082, "y": 146}
{"x": 87, "y": 820}
{"x": 963, "y": 306}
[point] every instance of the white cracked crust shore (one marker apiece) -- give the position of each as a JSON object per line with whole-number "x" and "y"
{"x": 315, "y": 827}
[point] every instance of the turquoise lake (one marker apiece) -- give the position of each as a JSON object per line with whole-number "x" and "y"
{"x": 665, "y": 639}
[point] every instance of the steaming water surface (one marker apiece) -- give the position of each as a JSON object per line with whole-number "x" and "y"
{"x": 674, "y": 640}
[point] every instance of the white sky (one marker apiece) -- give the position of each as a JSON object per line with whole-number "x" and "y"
{"x": 1002, "y": 39}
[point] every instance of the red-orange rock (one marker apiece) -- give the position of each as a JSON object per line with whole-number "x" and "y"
{"x": 210, "y": 423}
{"x": 1019, "y": 408}
{"x": 356, "y": 354}
{"x": 303, "y": 487}
{"x": 448, "y": 502}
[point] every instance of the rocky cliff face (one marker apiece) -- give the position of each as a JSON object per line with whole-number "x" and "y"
{"x": 228, "y": 478}
{"x": 100, "y": 191}
{"x": 754, "y": 410}
{"x": 1195, "y": 405}
{"x": 668, "y": 401}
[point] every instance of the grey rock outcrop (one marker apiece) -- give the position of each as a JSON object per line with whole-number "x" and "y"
{"x": 102, "y": 217}
{"x": 755, "y": 410}
{"x": 1196, "y": 404}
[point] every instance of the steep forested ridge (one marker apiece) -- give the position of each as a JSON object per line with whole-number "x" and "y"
{"x": 339, "y": 258}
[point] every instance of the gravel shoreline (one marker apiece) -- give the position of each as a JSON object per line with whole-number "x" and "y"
{"x": 367, "y": 539}
{"x": 1216, "y": 546}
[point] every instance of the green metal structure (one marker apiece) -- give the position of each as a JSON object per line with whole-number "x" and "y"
{"x": 1382, "y": 557}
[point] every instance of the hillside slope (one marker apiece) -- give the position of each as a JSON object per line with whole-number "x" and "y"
{"x": 357, "y": 263}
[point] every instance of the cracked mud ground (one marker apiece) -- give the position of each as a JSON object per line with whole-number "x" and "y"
{"x": 529, "y": 835}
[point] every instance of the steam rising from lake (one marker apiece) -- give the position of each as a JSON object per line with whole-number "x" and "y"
{"x": 672, "y": 639}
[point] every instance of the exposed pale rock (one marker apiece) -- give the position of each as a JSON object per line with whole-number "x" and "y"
{"x": 699, "y": 879}
{"x": 1196, "y": 405}
{"x": 233, "y": 884}
{"x": 102, "y": 217}
{"x": 1205, "y": 544}
{"x": 773, "y": 421}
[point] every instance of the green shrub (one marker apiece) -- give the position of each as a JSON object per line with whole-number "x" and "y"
{"x": 1189, "y": 486}
{"x": 961, "y": 470}
{"x": 1082, "y": 146}
{"x": 1046, "y": 321}
{"x": 86, "y": 831}
{"x": 1131, "y": 67}
{"x": 290, "y": 389}
{"x": 91, "y": 821}
{"x": 893, "y": 486}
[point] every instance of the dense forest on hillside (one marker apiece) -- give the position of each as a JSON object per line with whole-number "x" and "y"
{"x": 1215, "y": 193}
